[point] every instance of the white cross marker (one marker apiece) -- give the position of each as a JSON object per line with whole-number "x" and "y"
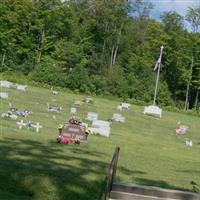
{"x": 37, "y": 126}
{"x": 20, "y": 124}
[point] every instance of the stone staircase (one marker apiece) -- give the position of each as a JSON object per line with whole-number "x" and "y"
{"x": 137, "y": 192}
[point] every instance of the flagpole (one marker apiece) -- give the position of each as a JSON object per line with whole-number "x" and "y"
{"x": 158, "y": 74}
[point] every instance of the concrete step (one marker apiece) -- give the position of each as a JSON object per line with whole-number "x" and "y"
{"x": 130, "y": 196}
{"x": 124, "y": 189}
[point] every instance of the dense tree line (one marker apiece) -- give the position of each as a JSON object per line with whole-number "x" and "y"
{"x": 103, "y": 47}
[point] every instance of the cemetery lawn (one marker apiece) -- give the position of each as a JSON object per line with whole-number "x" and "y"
{"x": 34, "y": 166}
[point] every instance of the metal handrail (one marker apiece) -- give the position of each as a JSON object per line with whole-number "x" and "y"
{"x": 111, "y": 173}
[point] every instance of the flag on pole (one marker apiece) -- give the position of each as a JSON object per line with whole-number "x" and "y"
{"x": 157, "y": 64}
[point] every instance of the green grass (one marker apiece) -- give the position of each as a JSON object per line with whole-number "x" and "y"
{"x": 34, "y": 166}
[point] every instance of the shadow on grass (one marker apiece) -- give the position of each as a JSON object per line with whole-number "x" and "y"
{"x": 190, "y": 171}
{"x": 32, "y": 170}
{"x": 129, "y": 172}
{"x": 158, "y": 183}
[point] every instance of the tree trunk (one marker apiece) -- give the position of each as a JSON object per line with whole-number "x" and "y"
{"x": 104, "y": 44}
{"x": 3, "y": 59}
{"x": 188, "y": 87}
{"x": 115, "y": 55}
{"x": 111, "y": 57}
{"x": 40, "y": 46}
{"x": 186, "y": 97}
{"x": 196, "y": 99}
{"x": 118, "y": 40}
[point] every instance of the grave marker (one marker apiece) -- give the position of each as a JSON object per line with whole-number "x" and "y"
{"x": 126, "y": 105}
{"x": 37, "y": 126}
{"x": 53, "y": 108}
{"x": 118, "y": 118}
{"x": 78, "y": 103}
{"x": 21, "y": 124}
{"x": 100, "y": 127}
{"x": 3, "y": 95}
{"x": 21, "y": 87}
{"x": 74, "y": 131}
{"x": 91, "y": 116}
{"x": 6, "y": 84}
{"x": 153, "y": 110}
{"x": 72, "y": 110}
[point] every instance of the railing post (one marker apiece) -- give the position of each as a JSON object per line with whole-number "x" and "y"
{"x": 111, "y": 172}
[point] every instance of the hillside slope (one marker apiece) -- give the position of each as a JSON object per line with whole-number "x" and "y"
{"x": 34, "y": 166}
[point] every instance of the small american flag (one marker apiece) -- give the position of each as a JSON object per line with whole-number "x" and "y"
{"x": 157, "y": 63}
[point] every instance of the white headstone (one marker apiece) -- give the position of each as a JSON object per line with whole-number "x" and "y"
{"x": 78, "y": 103}
{"x": 91, "y": 116}
{"x": 188, "y": 143}
{"x": 55, "y": 92}
{"x": 72, "y": 110}
{"x": 6, "y": 84}
{"x": 21, "y": 87}
{"x": 21, "y": 124}
{"x": 37, "y": 127}
{"x": 119, "y": 107}
{"x": 153, "y": 110}
{"x": 118, "y": 118}
{"x": 84, "y": 124}
{"x": 100, "y": 127}
{"x": 126, "y": 105}
{"x": 3, "y": 95}
{"x": 100, "y": 123}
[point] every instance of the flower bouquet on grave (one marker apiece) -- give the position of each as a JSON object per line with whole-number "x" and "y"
{"x": 75, "y": 120}
{"x": 64, "y": 140}
{"x": 77, "y": 141}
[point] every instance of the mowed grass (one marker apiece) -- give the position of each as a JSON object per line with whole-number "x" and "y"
{"x": 34, "y": 166}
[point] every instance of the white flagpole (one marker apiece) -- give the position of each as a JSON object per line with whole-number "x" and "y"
{"x": 158, "y": 74}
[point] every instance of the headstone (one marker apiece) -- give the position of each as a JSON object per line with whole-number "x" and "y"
{"x": 21, "y": 87}
{"x": 91, "y": 116}
{"x": 21, "y": 124}
{"x": 119, "y": 107}
{"x": 181, "y": 129}
{"x": 153, "y": 110}
{"x": 78, "y": 103}
{"x": 188, "y": 143}
{"x": 55, "y": 92}
{"x": 84, "y": 124}
{"x": 6, "y": 84}
{"x": 53, "y": 108}
{"x": 74, "y": 131}
{"x": 9, "y": 115}
{"x": 118, "y": 118}
{"x": 72, "y": 110}
{"x": 37, "y": 126}
{"x": 126, "y": 105}
{"x": 100, "y": 127}
{"x": 88, "y": 99}
{"x": 100, "y": 123}
{"x": 3, "y": 95}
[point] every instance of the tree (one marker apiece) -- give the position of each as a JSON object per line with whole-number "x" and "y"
{"x": 193, "y": 16}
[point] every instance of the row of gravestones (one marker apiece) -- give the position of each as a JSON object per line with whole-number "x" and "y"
{"x": 154, "y": 110}
{"x": 3, "y": 95}
{"x": 7, "y": 84}
{"x": 98, "y": 126}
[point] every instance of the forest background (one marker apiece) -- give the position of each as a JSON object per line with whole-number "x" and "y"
{"x": 103, "y": 47}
